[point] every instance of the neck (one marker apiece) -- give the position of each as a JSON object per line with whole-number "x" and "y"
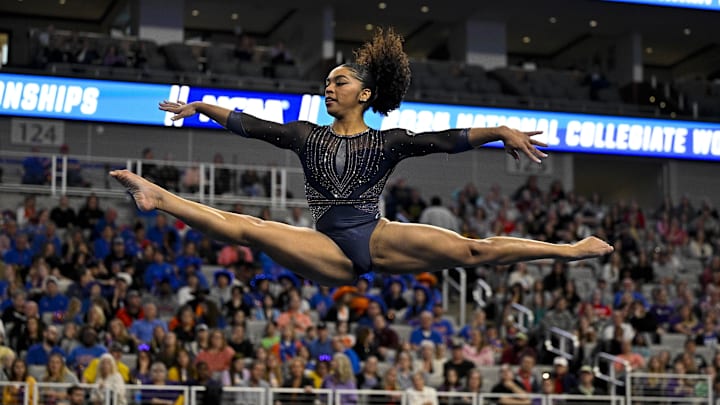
{"x": 349, "y": 126}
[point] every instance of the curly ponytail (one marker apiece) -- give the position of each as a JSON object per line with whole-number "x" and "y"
{"x": 383, "y": 67}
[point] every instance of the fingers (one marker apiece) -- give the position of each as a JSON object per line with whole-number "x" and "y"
{"x": 538, "y": 143}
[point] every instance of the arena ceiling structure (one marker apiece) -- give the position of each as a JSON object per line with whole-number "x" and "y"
{"x": 538, "y": 29}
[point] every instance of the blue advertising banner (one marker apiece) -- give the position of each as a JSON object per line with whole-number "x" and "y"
{"x": 701, "y": 4}
{"x": 137, "y": 103}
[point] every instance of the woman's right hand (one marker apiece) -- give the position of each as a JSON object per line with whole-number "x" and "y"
{"x": 179, "y": 108}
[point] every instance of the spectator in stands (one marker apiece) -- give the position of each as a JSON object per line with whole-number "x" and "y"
{"x": 39, "y": 353}
{"x": 404, "y": 367}
{"x": 559, "y": 316}
{"x": 628, "y": 293}
{"x": 35, "y": 172}
{"x": 473, "y": 385}
{"x": 368, "y": 378}
{"x": 109, "y": 382}
{"x": 341, "y": 310}
{"x": 56, "y": 372}
{"x": 81, "y": 356}
{"x": 75, "y": 395}
{"x": 526, "y": 376}
{"x": 442, "y": 325}
{"x": 89, "y": 376}
{"x": 158, "y": 376}
{"x": 31, "y": 333}
{"x": 236, "y": 373}
{"x": 69, "y": 340}
{"x": 420, "y": 393}
{"x": 142, "y": 329}
{"x": 183, "y": 371}
{"x": 63, "y": 215}
{"x": 691, "y": 353}
{"x": 322, "y": 345}
{"x": 52, "y": 301}
{"x": 618, "y": 322}
{"x": 565, "y": 382}
{"x": 387, "y": 338}
{"x": 240, "y": 343}
{"x": 296, "y": 218}
{"x": 245, "y": 48}
{"x": 169, "y": 349}
{"x": 439, "y": 215}
{"x": 220, "y": 291}
{"x": 451, "y": 383}
{"x": 289, "y": 343}
{"x": 512, "y": 354}
{"x": 428, "y": 362}
{"x": 365, "y": 343}
{"x": 339, "y": 346}
{"x": 458, "y": 361}
{"x": 678, "y": 386}
{"x": 14, "y": 394}
{"x": 661, "y": 308}
{"x": 114, "y": 57}
{"x": 586, "y": 385}
{"x": 140, "y": 373}
{"x": 158, "y": 271}
{"x": 294, "y": 316}
{"x": 256, "y": 379}
{"x": 20, "y": 255}
{"x": 478, "y": 349}
{"x": 218, "y": 354}
{"x": 634, "y": 359}
{"x": 297, "y": 379}
{"x": 557, "y": 278}
{"x": 321, "y": 301}
{"x": 341, "y": 377}
{"x": 644, "y": 322}
{"x": 425, "y": 331}
{"x": 164, "y": 236}
{"x": 90, "y": 213}
{"x": 86, "y": 54}
{"x": 685, "y": 322}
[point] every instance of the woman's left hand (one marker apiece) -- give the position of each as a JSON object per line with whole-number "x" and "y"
{"x": 518, "y": 141}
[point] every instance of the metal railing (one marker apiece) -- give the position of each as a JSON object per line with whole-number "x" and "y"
{"x": 461, "y": 287}
{"x": 523, "y": 318}
{"x": 53, "y": 393}
{"x": 16, "y": 393}
{"x": 654, "y": 388}
{"x": 606, "y": 361}
{"x": 567, "y": 343}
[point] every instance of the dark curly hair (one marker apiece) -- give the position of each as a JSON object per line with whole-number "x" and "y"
{"x": 383, "y": 67}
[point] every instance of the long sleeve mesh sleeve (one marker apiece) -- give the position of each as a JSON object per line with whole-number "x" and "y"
{"x": 287, "y": 136}
{"x": 404, "y": 144}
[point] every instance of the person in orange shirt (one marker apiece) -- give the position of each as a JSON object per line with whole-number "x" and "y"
{"x": 293, "y": 316}
{"x": 636, "y": 360}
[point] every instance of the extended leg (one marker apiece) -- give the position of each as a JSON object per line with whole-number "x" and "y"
{"x": 409, "y": 248}
{"x": 305, "y": 251}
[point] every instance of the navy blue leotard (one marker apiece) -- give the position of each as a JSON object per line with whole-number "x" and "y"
{"x": 345, "y": 174}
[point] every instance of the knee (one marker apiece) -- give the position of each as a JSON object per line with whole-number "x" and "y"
{"x": 480, "y": 251}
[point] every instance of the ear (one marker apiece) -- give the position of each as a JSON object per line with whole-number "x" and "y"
{"x": 364, "y": 95}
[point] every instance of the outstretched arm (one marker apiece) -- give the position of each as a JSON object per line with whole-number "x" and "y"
{"x": 182, "y": 110}
{"x": 515, "y": 141}
{"x": 286, "y": 136}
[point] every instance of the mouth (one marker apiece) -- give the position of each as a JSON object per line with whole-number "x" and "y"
{"x": 329, "y": 100}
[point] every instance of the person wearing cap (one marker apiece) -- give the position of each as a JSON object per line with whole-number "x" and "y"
{"x": 587, "y": 386}
{"x": 458, "y": 361}
{"x": 375, "y": 307}
{"x": 341, "y": 310}
{"x": 564, "y": 380}
{"x": 520, "y": 347}
{"x": 322, "y": 345}
{"x": 52, "y": 300}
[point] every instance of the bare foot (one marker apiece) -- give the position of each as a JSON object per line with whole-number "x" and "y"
{"x": 591, "y": 247}
{"x": 147, "y": 195}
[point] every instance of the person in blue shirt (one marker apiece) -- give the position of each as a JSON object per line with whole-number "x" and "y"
{"x": 159, "y": 270}
{"x": 322, "y": 345}
{"x": 189, "y": 257}
{"x": 442, "y": 325}
{"x": 39, "y": 353}
{"x": 53, "y": 300}
{"x": 425, "y": 331}
{"x": 89, "y": 349}
{"x": 422, "y": 301}
{"x": 322, "y": 300}
{"x": 103, "y": 244}
{"x": 375, "y": 307}
{"x": 628, "y": 287}
{"x": 35, "y": 169}
{"x": 20, "y": 255}
{"x": 142, "y": 329}
{"x": 162, "y": 230}
{"x": 46, "y": 235}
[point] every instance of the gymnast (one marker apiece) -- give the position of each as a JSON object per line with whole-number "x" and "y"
{"x": 346, "y": 165}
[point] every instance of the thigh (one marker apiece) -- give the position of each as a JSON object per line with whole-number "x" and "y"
{"x": 409, "y": 248}
{"x": 305, "y": 251}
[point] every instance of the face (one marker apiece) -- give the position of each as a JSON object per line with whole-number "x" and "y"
{"x": 77, "y": 396}
{"x": 344, "y": 92}
{"x": 55, "y": 364}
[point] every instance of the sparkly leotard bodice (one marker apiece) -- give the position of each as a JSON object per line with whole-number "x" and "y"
{"x": 345, "y": 174}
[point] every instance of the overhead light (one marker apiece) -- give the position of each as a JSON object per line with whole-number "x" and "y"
{"x": 662, "y": 104}
{"x": 652, "y": 99}
{"x": 648, "y": 50}
{"x": 552, "y": 20}
{"x": 368, "y": 27}
{"x": 687, "y": 31}
{"x": 673, "y": 114}
{"x": 526, "y": 39}
{"x": 382, "y": 5}
{"x": 195, "y": 13}
{"x": 234, "y": 16}
{"x": 62, "y": 2}
{"x": 593, "y": 23}
{"x": 424, "y": 9}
